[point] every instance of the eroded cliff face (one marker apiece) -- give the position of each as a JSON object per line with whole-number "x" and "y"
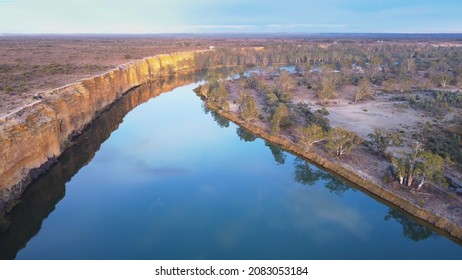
{"x": 34, "y": 136}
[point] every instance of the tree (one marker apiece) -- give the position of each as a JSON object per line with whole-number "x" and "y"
{"x": 376, "y": 61}
{"x": 389, "y": 85}
{"x": 430, "y": 168}
{"x": 319, "y": 117}
{"x": 280, "y": 114}
{"x": 328, "y": 84}
{"x": 426, "y": 128}
{"x": 459, "y": 80}
{"x": 364, "y": 90}
{"x": 424, "y": 165}
{"x": 312, "y": 134}
{"x": 408, "y": 66}
{"x": 326, "y": 89}
{"x": 271, "y": 99}
{"x": 340, "y": 141}
{"x": 412, "y": 159}
{"x": 286, "y": 82}
{"x": 441, "y": 78}
{"x": 204, "y": 90}
{"x": 218, "y": 96}
{"x": 405, "y": 84}
{"x": 283, "y": 96}
{"x": 254, "y": 82}
{"x": 248, "y": 107}
{"x": 401, "y": 169}
{"x": 380, "y": 140}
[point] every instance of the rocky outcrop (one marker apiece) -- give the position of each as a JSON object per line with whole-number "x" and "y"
{"x": 39, "y": 133}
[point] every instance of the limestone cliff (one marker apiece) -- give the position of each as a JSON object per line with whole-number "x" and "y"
{"x": 34, "y": 136}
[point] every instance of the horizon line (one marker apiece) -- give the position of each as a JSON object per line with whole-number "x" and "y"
{"x": 232, "y": 33}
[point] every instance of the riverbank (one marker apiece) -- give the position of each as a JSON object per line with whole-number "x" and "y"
{"x": 33, "y": 137}
{"x": 405, "y": 200}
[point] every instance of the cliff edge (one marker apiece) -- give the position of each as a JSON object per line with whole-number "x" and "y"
{"x": 32, "y": 137}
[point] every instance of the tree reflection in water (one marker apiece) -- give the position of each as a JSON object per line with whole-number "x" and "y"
{"x": 277, "y": 152}
{"x": 411, "y": 229}
{"x": 307, "y": 175}
{"x": 245, "y": 135}
{"x": 304, "y": 174}
{"x": 222, "y": 122}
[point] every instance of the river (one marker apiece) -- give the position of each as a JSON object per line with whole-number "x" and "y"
{"x": 159, "y": 177}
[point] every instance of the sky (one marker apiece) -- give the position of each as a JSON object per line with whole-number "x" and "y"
{"x": 227, "y": 16}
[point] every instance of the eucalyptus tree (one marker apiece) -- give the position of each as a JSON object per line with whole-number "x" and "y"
{"x": 380, "y": 140}
{"x": 310, "y": 135}
{"x": 247, "y": 107}
{"x": 430, "y": 169}
{"x": 364, "y": 90}
{"x": 286, "y": 82}
{"x": 279, "y": 117}
{"x": 341, "y": 141}
{"x": 330, "y": 80}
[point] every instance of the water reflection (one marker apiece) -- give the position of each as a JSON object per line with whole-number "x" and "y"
{"x": 306, "y": 174}
{"x": 40, "y": 198}
{"x": 326, "y": 217}
{"x": 411, "y": 229}
{"x": 278, "y": 153}
{"x": 222, "y": 122}
{"x": 245, "y": 135}
{"x": 337, "y": 186}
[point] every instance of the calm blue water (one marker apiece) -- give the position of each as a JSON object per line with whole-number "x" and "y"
{"x": 173, "y": 183}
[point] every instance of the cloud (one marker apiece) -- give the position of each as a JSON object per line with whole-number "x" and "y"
{"x": 217, "y": 27}
{"x": 257, "y": 28}
{"x": 317, "y": 211}
{"x": 179, "y": 16}
{"x": 306, "y": 26}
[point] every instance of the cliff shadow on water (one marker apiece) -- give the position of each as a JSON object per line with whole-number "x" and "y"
{"x": 43, "y": 194}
